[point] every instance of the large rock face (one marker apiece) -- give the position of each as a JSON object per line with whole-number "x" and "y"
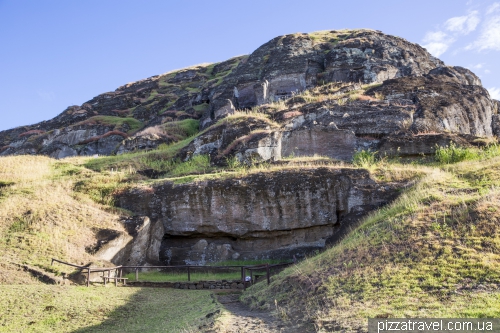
{"x": 294, "y": 63}
{"x": 405, "y": 116}
{"x": 266, "y": 215}
{"x": 443, "y": 105}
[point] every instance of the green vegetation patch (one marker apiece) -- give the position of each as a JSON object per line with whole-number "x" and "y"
{"x": 117, "y": 122}
{"x": 201, "y": 108}
{"x": 453, "y": 153}
{"x": 183, "y": 277}
{"x": 139, "y": 160}
{"x": 327, "y": 36}
{"x": 183, "y": 128}
{"x": 43, "y": 308}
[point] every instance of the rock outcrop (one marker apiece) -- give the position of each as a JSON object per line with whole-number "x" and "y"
{"x": 265, "y": 215}
{"x": 294, "y": 63}
{"x": 405, "y": 116}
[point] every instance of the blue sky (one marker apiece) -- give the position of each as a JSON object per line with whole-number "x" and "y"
{"x": 56, "y": 53}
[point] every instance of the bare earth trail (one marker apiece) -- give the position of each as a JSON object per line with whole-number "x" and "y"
{"x": 238, "y": 318}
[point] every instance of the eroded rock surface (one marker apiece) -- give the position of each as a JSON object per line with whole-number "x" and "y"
{"x": 293, "y": 63}
{"x": 266, "y": 215}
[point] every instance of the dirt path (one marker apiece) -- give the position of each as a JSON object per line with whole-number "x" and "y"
{"x": 237, "y": 318}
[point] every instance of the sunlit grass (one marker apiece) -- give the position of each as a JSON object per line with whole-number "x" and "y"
{"x": 45, "y": 308}
{"x": 183, "y": 276}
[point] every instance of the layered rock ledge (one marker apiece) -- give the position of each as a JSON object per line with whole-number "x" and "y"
{"x": 265, "y": 215}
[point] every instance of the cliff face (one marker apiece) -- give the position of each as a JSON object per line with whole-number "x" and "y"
{"x": 294, "y": 63}
{"x": 265, "y": 215}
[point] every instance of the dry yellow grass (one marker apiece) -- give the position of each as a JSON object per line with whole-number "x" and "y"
{"x": 41, "y": 216}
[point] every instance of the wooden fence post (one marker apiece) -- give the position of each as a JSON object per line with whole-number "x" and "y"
{"x": 88, "y": 276}
{"x": 242, "y": 274}
{"x": 189, "y": 275}
{"x": 268, "y": 274}
{"x": 137, "y": 274}
{"x": 244, "y": 280}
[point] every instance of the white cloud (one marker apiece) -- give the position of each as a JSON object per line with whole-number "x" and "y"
{"x": 493, "y": 8}
{"x": 437, "y": 42}
{"x": 487, "y": 71}
{"x": 489, "y": 38}
{"x": 436, "y": 36}
{"x": 436, "y": 49}
{"x": 48, "y": 96}
{"x": 463, "y": 24}
{"x": 494, "y": 93}
{"x": 478, "y": 66}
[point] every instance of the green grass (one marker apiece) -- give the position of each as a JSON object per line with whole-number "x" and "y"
{"x": 364, "y": 158}
{"x": 183, "y": 128}
{"x": 43, "y": 308}
{"x": 182, "y": 277}
{"x": 424, "y": 255}
{"x": 200, "y": 108}
{"x": 152, "y": 95}
{"x": 139, "y": 160}
{"x": 246, "y": 262}
{"x": 454, "y": 154}
{"x": 133, "y": 123}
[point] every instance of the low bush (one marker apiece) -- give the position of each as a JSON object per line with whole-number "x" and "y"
{"x": 364, "y": 158}
{"x": 454, "y": 154}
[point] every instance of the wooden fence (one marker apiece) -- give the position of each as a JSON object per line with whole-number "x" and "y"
{"x": 256, "y": 271}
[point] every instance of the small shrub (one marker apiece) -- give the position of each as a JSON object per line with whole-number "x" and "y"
{"x": 453, "y": 154}
{"x": 364, "y": 158}
{"x": 233, "y": 162}
{"x": 197, "y": 164}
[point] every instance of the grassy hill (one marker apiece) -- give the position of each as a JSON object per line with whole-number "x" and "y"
{"x": 434, "y": 252}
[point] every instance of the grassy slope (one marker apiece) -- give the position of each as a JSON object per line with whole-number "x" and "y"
{"x": 133, "y": 123}
{"x": 433, "y": 253}
{"x": 43, "y": 216}
{"x": 102, "y": 309}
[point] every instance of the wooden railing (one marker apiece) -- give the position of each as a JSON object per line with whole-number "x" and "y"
{"x": 118, "y": 270}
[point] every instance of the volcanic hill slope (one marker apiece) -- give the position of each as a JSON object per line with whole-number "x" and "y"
{"x": 277, "y": 154}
